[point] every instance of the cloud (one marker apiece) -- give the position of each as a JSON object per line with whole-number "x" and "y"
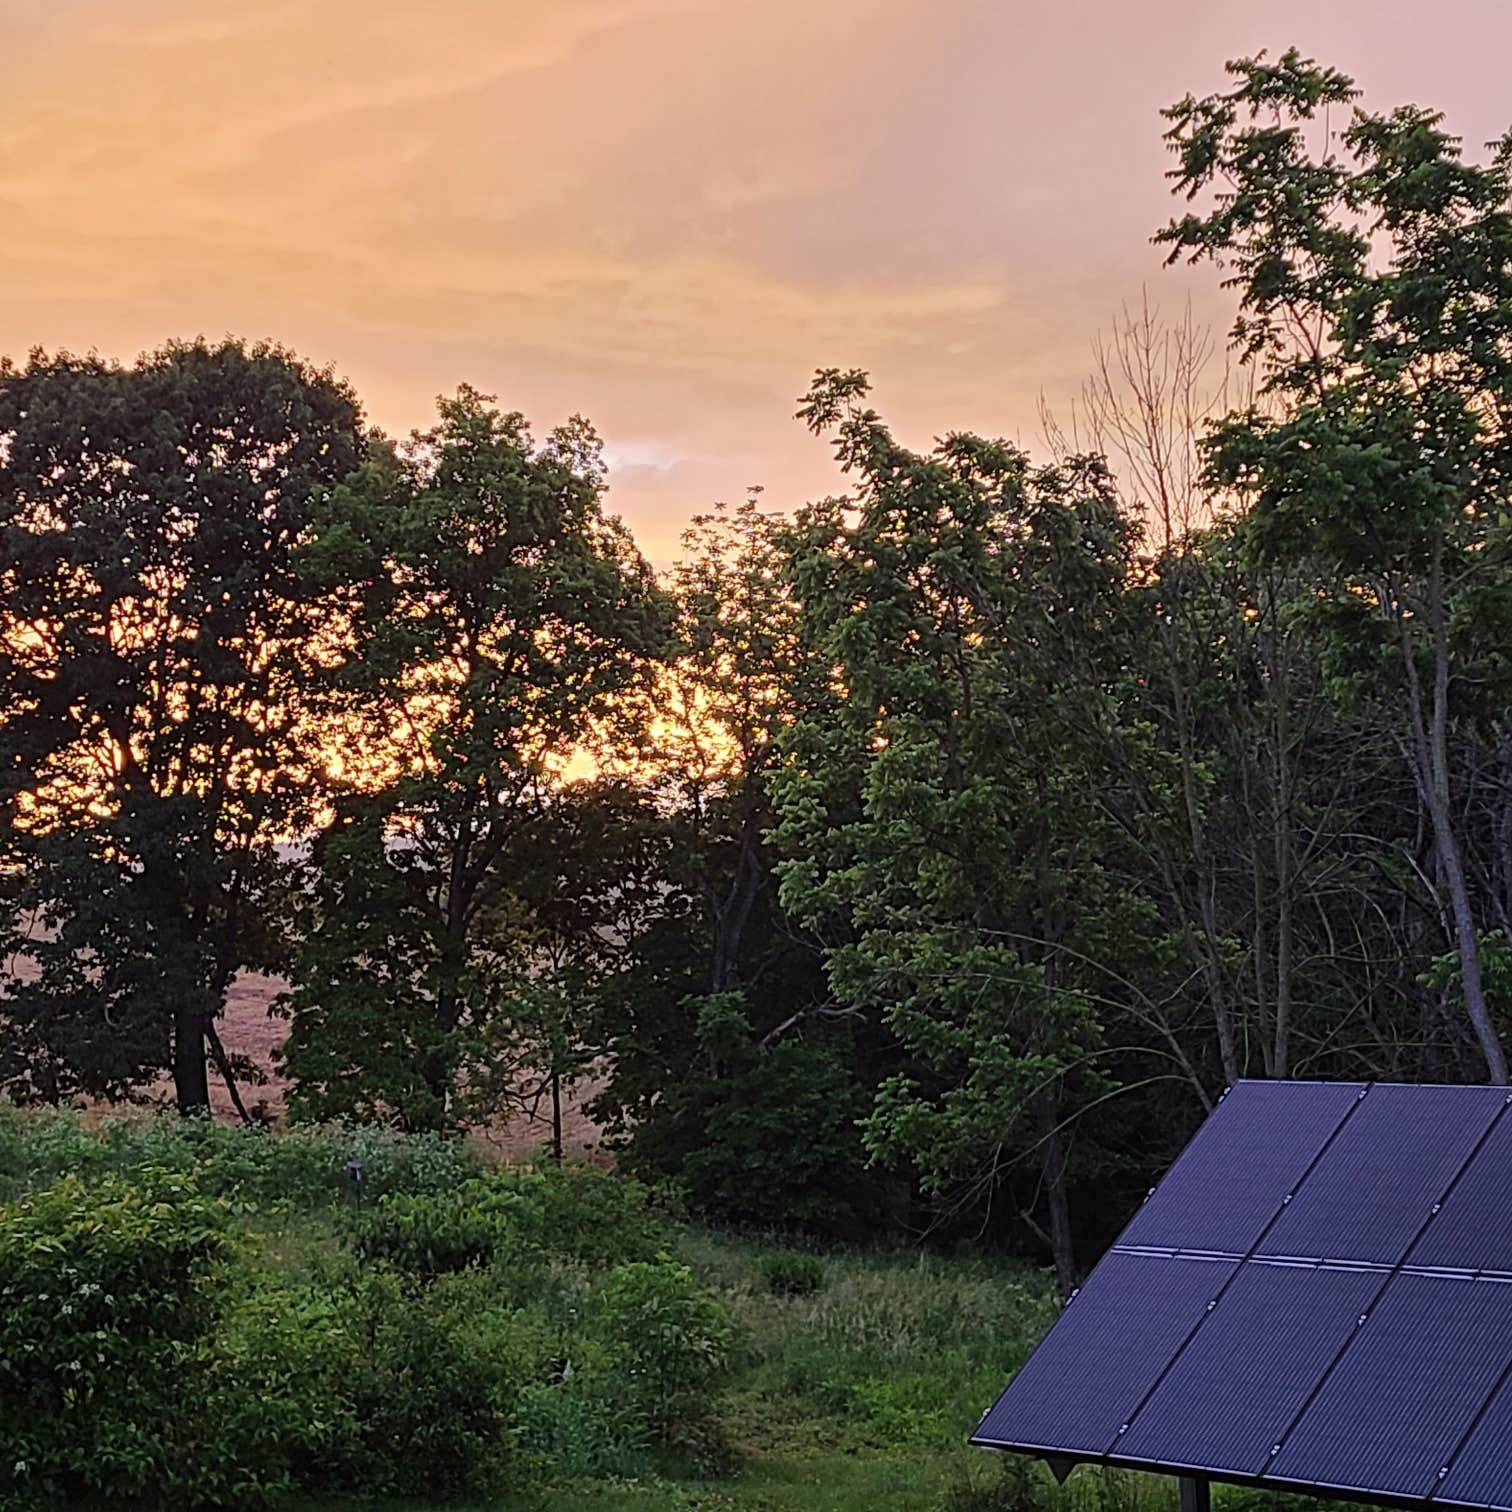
{"x": 661, "y": 213}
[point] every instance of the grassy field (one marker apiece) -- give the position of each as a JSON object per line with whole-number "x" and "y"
{"x": 846, "y": 1381}
{"x": 857, "y": 1397}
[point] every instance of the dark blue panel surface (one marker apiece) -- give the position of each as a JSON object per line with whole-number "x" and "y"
{"x": 1103, "y": 1354}
{"x": 1473, "y": 1230}
{"x": 1229, "y": 1182}
{"x": 1378, "y": 1181}
{"x": 1480, "y": 1475}
{"x": 1249, "y": 1368}
{"x": 1405, "y": 1390}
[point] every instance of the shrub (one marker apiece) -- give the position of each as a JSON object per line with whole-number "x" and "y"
{"x": 429, "y": 1236}
{"x": 107, "y": 1296}
{"x": 789, "y": 1273}
{"x": 305, "y": 1167}
{"x": 575, "y": 1212}
{"x": 433, "y": 1378}
{"x": 275, "y": 1396}
{"x": 528, "y": 1216}
{"x": 731, "y": 1143}
{"x": 671, "y": 1341}
{"x": 582, "y": 1427}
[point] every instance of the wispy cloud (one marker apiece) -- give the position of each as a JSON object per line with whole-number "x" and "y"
{"x": 661, "y": 213}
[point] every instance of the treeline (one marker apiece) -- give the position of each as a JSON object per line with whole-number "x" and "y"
{"x": 948, "y": 845}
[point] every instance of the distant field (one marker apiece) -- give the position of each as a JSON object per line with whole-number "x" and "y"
{"x": 248, "y": 1028}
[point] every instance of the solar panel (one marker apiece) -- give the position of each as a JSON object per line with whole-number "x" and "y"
{"x": 1318, "y": 1294}
{"x": 1480, "y": 1472}
{"x": 1474, "y": 1229}
{"x": 1112, "y": 1341}
{"x": 1250, "y": 1367}
{"x": 1376, "y": 1184}
{"x": 1388, "y": 1418}
{"x": 1254, "y": 1153}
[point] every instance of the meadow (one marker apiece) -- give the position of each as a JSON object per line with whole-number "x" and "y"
{"x": 638, "y": 1359}
{"x": 202, "y": 1314}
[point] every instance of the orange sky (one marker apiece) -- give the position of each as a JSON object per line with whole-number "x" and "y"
{"x": 661, "y": 213}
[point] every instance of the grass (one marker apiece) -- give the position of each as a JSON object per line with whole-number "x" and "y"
{"x": 857, "y": 1378}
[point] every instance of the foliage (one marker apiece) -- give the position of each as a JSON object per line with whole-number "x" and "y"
{"x": 1374, "y": 270}
{"x": 428, "y": 1236}
{"x": 576, "y": 1212}
{"x": 777, "y": 1142}
{"x": 495, "y": 616}
{"x": 791, "y": 1273}
{"x": 671, "y": 1341}
{"x": 935, "y": 808}
{"x": 162, "y": 728}
{"x": 303, "y": 1168}
{"x": 106, "y": 1295}
{"x": 540, "y": 1374}
{"x": 433, "y": 1378}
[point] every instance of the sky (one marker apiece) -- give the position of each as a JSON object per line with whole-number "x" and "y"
{"x": 662, "y": 214}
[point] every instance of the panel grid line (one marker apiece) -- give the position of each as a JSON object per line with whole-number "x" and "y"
{"x": 1375, "y": 1301}
{"x": 1229, "y": 1279}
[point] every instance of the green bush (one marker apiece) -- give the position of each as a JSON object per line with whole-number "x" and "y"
{"x": 146, "y": 1355}
{"x": 577, "y": 1212}
{"x": 429, "y": 1236}
{"x": 432, "y": 1376}
{"x": 275, "y": 1396}
{"x": 789, "y": 1273}
{"x": 774, "y": 1145}
{"x": 670, "y": 1340}
{"x": 524, "y": 1216}
{"x": 582, "y": 1427}
{"x": 305, "y": 1167}
{"x": 108, "y": 1296}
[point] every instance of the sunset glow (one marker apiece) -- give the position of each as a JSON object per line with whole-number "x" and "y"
{"x": 660, "y": 213}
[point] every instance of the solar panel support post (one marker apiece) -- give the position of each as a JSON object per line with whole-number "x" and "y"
{"x": 1195, "y": 1496}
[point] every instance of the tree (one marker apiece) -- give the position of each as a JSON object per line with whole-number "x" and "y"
{"x": 1374, "y": 270}
{"x": 160, "y": 737}
{"x": 495, "y": 621}
{"x": 971, "y": 607}
{"x": 729, "y": 695}
{"x": 584, "y": 876}
{"x": 716, "y": 1023}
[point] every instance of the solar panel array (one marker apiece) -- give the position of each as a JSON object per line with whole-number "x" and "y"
{"x": 1318, "y": 1296}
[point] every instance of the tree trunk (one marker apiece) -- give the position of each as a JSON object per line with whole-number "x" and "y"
{"x": 556, "y": 1115}
{"x": 1431, "y": 742}
{"x": 438, "y": 1070}
{"x": 733, "y": 912}
{"x": 191, "y": 1076}
{"x": 223, "y": 1065}
{"x": 1053, "y": 1166}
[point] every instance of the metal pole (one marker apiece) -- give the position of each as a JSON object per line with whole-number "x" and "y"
{"x": 1194, "y": 1495}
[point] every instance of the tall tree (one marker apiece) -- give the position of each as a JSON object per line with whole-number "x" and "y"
{"x": 971, "y": 607}
{"x": 495, "y": 621}
{"x": 1374, "y": 270}
{"x": 158, "y": 738}
{"x": 719, "y": 1030}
